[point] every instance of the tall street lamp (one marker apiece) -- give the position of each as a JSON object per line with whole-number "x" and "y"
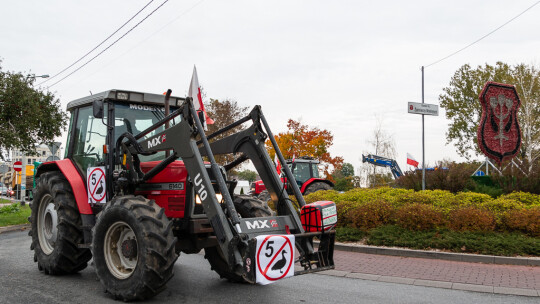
{"x": 34, "y": 76}
{"x": 22, "y": 186}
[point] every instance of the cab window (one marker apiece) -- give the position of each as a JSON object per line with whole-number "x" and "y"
{"x": 135, "y": 118}
{"x": 301, "y": 172}
{"x": 315, "y": 170}
{"x": 89, "y": 138}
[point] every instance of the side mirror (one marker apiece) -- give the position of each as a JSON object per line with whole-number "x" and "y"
{"x": 98, "y": 108}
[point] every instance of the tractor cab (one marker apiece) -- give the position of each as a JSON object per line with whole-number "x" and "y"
{"x": 117, "y": 112}
{"x": 304, "y": 168}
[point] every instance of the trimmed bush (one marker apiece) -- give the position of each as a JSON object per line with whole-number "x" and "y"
{"x": 524, "y": 220}
{"x": 366, "y": 209}
{"x": 525, "y": 198}
{"x": 371, "y": 215}
{"x": 344, "y": 210}
{"x": 418, "y": 217}
{"x": 414, "y": 197}
{"x": 500, "y": 205}
{"x": 323, "y": 195}
{"x": 471, "y": 219}
{"x": 472, "y": 198}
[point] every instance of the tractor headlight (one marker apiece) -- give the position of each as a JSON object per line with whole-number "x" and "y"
{"x": 219, "y": 198}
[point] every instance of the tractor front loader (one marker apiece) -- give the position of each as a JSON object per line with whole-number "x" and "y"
{"x": 156, "y": 193}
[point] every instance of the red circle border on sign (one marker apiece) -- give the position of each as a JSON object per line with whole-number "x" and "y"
{"x": 290, "y": 264}
{"x": 92, "y": 194}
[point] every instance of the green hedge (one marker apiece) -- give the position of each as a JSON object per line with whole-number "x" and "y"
{"x": 366, "y": 209}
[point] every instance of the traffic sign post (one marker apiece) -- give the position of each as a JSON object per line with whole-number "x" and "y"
{"x": 423, "y": 109}
{"x": 17, "y": 166}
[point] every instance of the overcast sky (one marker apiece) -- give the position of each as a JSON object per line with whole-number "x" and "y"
{"x": 337, "y": 65}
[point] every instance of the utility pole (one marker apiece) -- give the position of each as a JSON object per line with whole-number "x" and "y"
{"x": 423, "y": 143}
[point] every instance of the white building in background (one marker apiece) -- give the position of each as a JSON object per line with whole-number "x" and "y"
{"x": 242, "y": 187}
{"x": 43, "y": 152}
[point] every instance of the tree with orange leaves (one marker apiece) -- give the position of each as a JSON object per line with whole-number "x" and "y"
{"x": 302, "y": 140}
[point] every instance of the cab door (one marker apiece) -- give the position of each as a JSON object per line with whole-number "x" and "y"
{"x": 87, "y": 139}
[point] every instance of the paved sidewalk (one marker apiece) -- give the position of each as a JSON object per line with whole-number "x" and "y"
{"x": 492, "y": 278}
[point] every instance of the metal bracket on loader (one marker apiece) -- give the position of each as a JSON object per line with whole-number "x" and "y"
{"x": 237, "y": 237}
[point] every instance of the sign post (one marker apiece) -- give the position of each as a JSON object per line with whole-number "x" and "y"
{"x": 17, "y": 166}
{"x": 423, "y": 109}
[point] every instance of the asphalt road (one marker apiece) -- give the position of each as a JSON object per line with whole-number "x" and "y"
{"x": 194, "y": 282}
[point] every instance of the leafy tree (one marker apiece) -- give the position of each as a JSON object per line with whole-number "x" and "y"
{"x": 302, "y": 140}
{"x": 344, "y": 178}
{"x": 460, "y": 100}
{"x": 343, "y": 183}
{"x": 28, "y": 116}
{"x": 247, "y": 175}
{"x": 347, "y": 170}
{"x": 224, "y": 113}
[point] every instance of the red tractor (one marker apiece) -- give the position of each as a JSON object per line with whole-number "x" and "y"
{"x": 306, "y": 175}
{"x": 133, "y": 192}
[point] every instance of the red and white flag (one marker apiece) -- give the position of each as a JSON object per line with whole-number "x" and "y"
{"x": 278, "y": 164}
{"x": 195, "y": 93}
{"x": 411, "y": 161}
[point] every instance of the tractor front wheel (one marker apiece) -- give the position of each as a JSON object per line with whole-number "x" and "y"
{"x": 247, "y": 207}
{"x": 56, "y": 227}
{"x": 133, "y": 248}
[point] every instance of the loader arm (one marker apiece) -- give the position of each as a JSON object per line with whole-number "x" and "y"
{"x": 235, "y": 235}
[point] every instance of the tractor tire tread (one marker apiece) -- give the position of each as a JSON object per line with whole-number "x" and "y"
{"x": 154, "y": 240}
{"x": 66, "y": 257}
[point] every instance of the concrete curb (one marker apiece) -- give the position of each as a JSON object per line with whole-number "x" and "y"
{"x": 20, "y": 227}
{"x": 460, "y": 257}
{"x": 436, "y": 284}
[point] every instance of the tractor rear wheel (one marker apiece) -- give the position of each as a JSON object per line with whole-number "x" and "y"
{"x": 247, "y": 207}
{"x": 133, "y": 248}
{"x": 56, "y": 227}
{"x": 264, "y": 196}
{"x": 316, "y": 186}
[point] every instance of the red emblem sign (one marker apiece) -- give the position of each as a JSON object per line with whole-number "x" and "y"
{"x": 499, "y": 136}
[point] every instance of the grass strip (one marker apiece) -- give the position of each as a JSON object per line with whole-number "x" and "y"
{"x": 490, "y": 243}
{"x": 14, "y": 214}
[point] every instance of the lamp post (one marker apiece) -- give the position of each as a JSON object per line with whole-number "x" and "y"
{"x": 34, "y": 76}
{"x": 22, "y": 186}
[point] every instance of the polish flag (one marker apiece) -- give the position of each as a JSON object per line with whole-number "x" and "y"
{"x": 278, "y": 164}
{"x": 195, "y": 93}
{"x": 411, "y": 161}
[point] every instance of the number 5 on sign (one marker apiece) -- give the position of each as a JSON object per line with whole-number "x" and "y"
{"x": 275, "y": 258}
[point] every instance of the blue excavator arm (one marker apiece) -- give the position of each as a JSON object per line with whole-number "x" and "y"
{"x": 383, "y": 162}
